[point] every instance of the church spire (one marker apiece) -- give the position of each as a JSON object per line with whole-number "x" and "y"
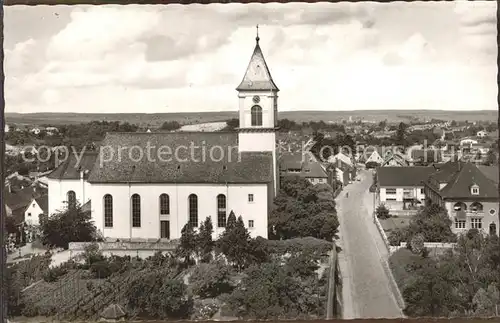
{"x": 257, "y": 76}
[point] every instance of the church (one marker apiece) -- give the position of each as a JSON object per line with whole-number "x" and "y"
{"x": 149, "y": 185}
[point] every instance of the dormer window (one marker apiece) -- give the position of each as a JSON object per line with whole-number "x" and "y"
{"x": 474, "y": 190}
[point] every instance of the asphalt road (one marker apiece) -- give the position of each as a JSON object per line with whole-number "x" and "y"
{"x": 367, "y": 288}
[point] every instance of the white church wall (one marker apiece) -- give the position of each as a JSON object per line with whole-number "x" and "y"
{"x": 257, "y": 141}
{"x": 58, "y": 190}
{"x": 236, "y": 195}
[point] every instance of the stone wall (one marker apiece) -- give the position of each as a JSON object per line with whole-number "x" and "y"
{"x": 128, "y": 245}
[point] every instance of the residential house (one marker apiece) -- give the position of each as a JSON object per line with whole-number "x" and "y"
{"x": 27, "y": 205}
{"x": 345, "y": 173}
{"x": 51, "y": 131}
{"x": 296, "y": 164}
{"x": 340, "y": 156}
{"x": 482, "y": 134}
{"x": 469, "y": 196}
{"x": 467, "y": 141}
{"x": 372, "y": 154}
{"x": 6, "y": 128}
{"x": 424, "y": 157}
{"x": 401, "y": 188}
{"x": 395, "y": 160}
{"x": 35, "y": 130}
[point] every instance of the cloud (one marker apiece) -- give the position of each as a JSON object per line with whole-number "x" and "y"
{"x": 96, "y": 31}
{"x": 414, "y": 50}
{"x": 321, "y": 55}
{"x": 478, "y": 24}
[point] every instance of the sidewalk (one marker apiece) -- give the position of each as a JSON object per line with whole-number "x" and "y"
{"x": 348, "y": 309}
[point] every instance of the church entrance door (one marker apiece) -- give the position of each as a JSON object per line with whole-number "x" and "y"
{"x": 165, "y": 229}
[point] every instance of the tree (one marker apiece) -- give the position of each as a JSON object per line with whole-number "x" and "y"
{"x": 10, "y": 225}
{"x": 187, "y": 244}
{"x": 237, "y": 245}
{"x": 430, "y": 292}
{"x": 303, "y": 210}
{"x": 417, "y": 244}
{"x": 204, "y": 242}
{"x": 69, "y": 225}
{"x": 491, "y": 158}
{"x": 401, "y": 135}
{"x": 157, "y": 296}
{"x": 269, "y": 292}
{"x": 231, "y": 124}
{"x": 210, "y": 280}
{"x": 487, "y": 301}
{"x": 382, "y": 212}
{"x": 476, "y": 264}
{"x": 433, "y": 223}
{"x": 170, "y": 125}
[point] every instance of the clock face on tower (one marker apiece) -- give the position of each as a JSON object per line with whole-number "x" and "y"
{"x": 256, "y": 99}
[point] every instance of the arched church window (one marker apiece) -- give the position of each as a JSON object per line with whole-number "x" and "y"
{"x": 108, "y": 211}
{"x": 256, "y": 112}
{"x": 193, "y": 210}
{"x": 221, "y": 210}
{"x": 136, "y": 211}
{"x": 71, "y": 197}
{"x": 164, "y": 204}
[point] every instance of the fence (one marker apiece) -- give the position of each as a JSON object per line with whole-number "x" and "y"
{"x": 428, "y": 245}
{"x": 407, "y": 213}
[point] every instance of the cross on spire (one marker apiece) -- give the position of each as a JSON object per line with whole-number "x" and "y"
{"x": 257, "y": 38}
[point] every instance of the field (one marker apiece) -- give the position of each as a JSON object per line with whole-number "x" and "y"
{"x": 209, "y": 127}
{"x": 156, "y": 119}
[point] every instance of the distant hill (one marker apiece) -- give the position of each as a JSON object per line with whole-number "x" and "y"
{"x": 156, "y": 119}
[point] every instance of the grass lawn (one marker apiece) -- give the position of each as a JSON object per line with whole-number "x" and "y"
{"x": 394, "y": 223}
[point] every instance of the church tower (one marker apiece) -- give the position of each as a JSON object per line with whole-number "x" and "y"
{"x": 258, "y": 109}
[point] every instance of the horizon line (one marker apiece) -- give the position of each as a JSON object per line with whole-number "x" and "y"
{"x": 236, "y": 111}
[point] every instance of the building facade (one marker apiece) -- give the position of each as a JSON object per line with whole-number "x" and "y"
{"x": 400, "y": 188}
{"x": 471, "y": 198}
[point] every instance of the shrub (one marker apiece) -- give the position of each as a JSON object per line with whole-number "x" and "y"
{"x": 211, "y": 280}
{"x": 397, "y": 236}
{"x": 382, "y": 212}
{"x": 104, "y": 268}
{"x": 417, "y": 244}
{"x": 52, "y": 274}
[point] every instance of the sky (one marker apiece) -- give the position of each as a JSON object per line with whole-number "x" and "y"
{"x": 190, "y": 58}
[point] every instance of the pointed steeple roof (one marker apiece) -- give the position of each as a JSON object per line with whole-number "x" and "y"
{"x": 257, "y": 77}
